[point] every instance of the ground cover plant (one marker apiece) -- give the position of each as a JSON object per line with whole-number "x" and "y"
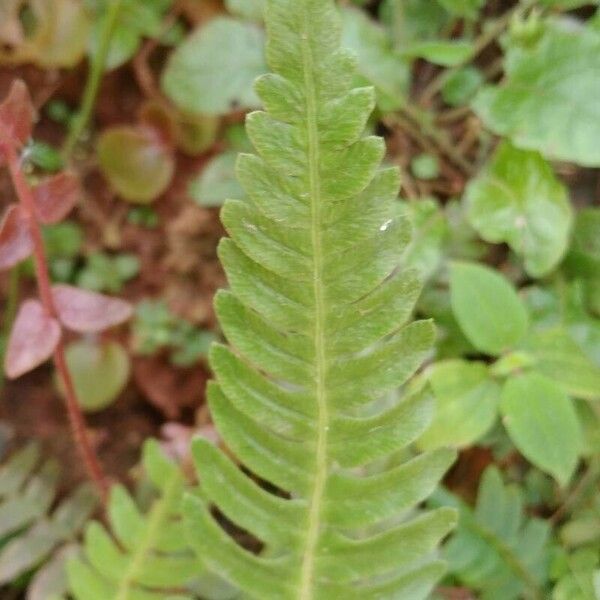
{"x": 320, "y": 283}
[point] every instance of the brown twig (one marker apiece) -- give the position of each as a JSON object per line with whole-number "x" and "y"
{"x": 481, "y": 43}
{"x": 76, "y": 418}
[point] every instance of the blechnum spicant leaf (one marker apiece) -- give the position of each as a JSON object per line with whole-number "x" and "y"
{"x": 318, "y": 320}
{"x": 144, "y": 556}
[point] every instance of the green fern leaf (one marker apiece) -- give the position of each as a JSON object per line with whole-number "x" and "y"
{"x": 34, "y": 530}
{"x": 148, "y": 558}
{"x": 317, "y": 316}
{"x": 496, "y": 550}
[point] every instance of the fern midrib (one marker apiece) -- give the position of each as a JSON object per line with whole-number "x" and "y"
{"x": 158, "y": 514}
{"x": 316, "y": 500}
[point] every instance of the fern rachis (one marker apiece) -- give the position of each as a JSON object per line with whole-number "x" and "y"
{"x": 317, "y": 317}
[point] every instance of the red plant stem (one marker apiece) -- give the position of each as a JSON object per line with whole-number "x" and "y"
{"x": 76, "y": 418}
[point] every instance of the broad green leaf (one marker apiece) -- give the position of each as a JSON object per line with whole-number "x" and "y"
{"x": 542, "y": 422}
{"x": 518, "y": 200}
{"x": 378, "y": 63}
{"x": 100, "y": 371}
{"x": 213, "y": 70}
{"x": 317, "y": 316}
{"x": 564, "y": 306}
{"x": 217, "y": 182}
{"x": 440, "y": 52}
{"x": 497, "y": 549}
{"x": 561, "y": 359}
{"x": 487, "y": 307}
{"x": 547, "y": 102}
{"x": 466, "y": 404}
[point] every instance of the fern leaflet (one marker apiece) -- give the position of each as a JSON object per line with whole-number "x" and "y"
{"x": 317, "y": 316}
{"x": 496, "y": 549}
{"x": 148, "y": 558}
{"x": 36, "y": 533}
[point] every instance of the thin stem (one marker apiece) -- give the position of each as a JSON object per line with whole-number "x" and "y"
{"x": 480, "y": 44}
{"x": 81, "y": 120}
{"x": 588, "y": 479}
{"x": 76, "y": 418}
{"x": 439, "y": 139}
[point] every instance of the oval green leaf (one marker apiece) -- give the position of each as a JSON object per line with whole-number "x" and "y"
{"x": 542, "y": 422}
{"x": 100, "y": 371}
{"x": 487, "y": 307}
{"x": 466, "y": 404}
{"x": 136, "y": 162}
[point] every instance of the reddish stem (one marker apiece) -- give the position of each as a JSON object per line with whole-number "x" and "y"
{"x": 76, "y": 418}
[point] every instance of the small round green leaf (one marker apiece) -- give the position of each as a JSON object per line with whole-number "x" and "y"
{"x": 100, "y": 371}
{"x": 487, "y": 307}
{"x": 136, "y": 162}
{"x": 543, "y": 424}
{"x": 425, "y": 166}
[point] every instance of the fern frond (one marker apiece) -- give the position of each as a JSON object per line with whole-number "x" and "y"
{"x": 34, "y": 531}
{"x": 496, "y": 549}
{"x": 317, "y": 316}
{"x": 148, "y": 557}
